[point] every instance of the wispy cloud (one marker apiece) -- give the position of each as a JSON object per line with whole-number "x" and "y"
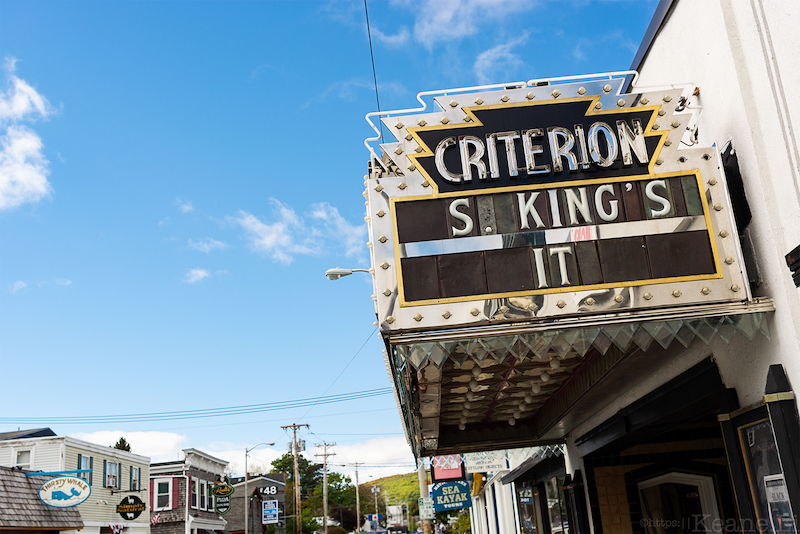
{"x": 350, "y": 235}
{"x": 185, "y": 206}
{"x": 195, "y": 275}
{"x": 206, "y": 245}
{"x": 17, "y": 286}
{"x": 23, "y": 166}
{"x": 499, "y": 62}
{"x": 587, "y": 49}
{"x": 288, "y": 234}
{"x": 439, "y": 21}
{"x": 353, "y": 89}
{"x": 159, "y": 446}
{"x": 398, "y": 39}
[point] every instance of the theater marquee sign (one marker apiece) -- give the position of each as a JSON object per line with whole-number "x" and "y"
{"x": 548, "y": 201}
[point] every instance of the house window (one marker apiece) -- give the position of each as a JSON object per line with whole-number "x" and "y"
{"x": 23, "y": 459}
{"x": 136, "y": 476}
{"x": 202, "y": 494}
{"x": 210, "y": 496}
{"x": 85, "y": 463}
{"x": 163, "y": 494}
{"x": 194, "y": 493}
{"x": 112, "y": 475}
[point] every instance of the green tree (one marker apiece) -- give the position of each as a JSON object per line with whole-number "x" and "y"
{"x": 310, "y": 472}
{"x": 122, "y": 444}
{"x": 462, "y": 524}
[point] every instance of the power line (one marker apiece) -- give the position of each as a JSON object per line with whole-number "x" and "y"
{"x": 341, "y": 372}
{"x": 204, "y": 413}
{"x": 372, "y": 57}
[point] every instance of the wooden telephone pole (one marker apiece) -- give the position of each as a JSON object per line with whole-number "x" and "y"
{"x": 358, "y": 499}
{"x": 325, "y": 455}
{"x": 297, "y": 517}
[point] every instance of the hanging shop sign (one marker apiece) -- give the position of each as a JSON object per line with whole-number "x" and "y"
{"x": 222, "y": 491}
{"x": 451, "y": 495}
{"x": 534, "y": 202}
{"x": 131, "y": 507}
{"x": 64, "y": 492}
{"x": 484, "y": 462}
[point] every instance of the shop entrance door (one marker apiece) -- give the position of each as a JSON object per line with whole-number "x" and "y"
{"x": 677, "y": 503}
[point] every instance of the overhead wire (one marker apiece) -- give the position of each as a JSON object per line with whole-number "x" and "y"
{"x": 204, "y": 413}
{"x": 372, "y": 57}
{"x": 342, "y": 371}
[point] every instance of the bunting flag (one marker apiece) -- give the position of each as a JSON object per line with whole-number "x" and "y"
{"x": 116, "y": 529}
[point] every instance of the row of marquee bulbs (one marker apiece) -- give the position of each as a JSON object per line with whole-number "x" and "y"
{"x": 528, "y": 399}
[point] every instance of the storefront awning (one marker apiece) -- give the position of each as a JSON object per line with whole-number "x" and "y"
{"x": 506, "y": 385}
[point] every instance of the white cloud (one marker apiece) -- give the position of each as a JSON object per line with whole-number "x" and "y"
{"x": 449, "y": 20}
{"x": 195, "y": 275}
{"x": 23, "y": 166}
{"x": 398, "y": 39}
{"x": 16, "y": 286}
{"x": 499, "y": 62}
{"x": 290, "y": 235}
{"x": 391, "y": 453}
{"x": 258, "y": 460}
{"x": 206, "y": 245}
{"x": 63, "y": 282}
{"x": 349, "y": 90}
{"x": 159, "y": 446}
{"x": 352, "y": 236}
{"x": 184, "y": 206}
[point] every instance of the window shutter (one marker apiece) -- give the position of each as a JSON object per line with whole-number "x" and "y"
{"x": 105, "y": 478}
{"x": 130, "y": 479}
{"x": 91, "y": 466}
{"x": 152, "y": 487}
{"x": 79, "y": 466}
{"x": 119, "y": 475}
{"x": 176, "y": 483}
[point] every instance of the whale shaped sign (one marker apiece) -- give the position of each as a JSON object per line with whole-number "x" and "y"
{"x": 64, "y": 492}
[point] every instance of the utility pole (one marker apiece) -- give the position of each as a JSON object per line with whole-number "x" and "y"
{"x": 375, "y": 491}
{"x": 358, "y": 499}
{"x": 423, "y": 492}
{"x": 325, "y": 455}
{"x": 297, "y": 514}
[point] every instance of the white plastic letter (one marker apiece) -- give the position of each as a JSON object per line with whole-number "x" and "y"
{"x": 598, "y": 203}
{"x": 463, "y": 217}
{"x": 665, "y": 205}
{"x": 575, "y": 204}
{"x": 526, "y": 207}
{"x": 562, "y": 263}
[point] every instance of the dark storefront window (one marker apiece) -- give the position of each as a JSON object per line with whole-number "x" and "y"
{"x": 556, "y": 505}
{"x": 526, "y": 497}
{"x": 765, "y": 477}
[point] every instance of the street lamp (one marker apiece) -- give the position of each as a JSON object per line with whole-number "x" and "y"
{"x": 246, "y": 494}
{"x": 335, "y": 274}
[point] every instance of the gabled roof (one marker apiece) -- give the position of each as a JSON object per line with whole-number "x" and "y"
{"x": 21, "y": 434}
{"x": 21, "y": 508}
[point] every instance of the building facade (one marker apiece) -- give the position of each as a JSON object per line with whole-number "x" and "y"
{"x": 181, "y": 498}
{"x": 115, "y": 476}
{"x": 256, "y": 490}
{"x": 609, "y": 264}
{"x": 21, "y": 509}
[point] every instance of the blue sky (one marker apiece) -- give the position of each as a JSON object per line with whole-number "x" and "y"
{"x": 176, "y": 177}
